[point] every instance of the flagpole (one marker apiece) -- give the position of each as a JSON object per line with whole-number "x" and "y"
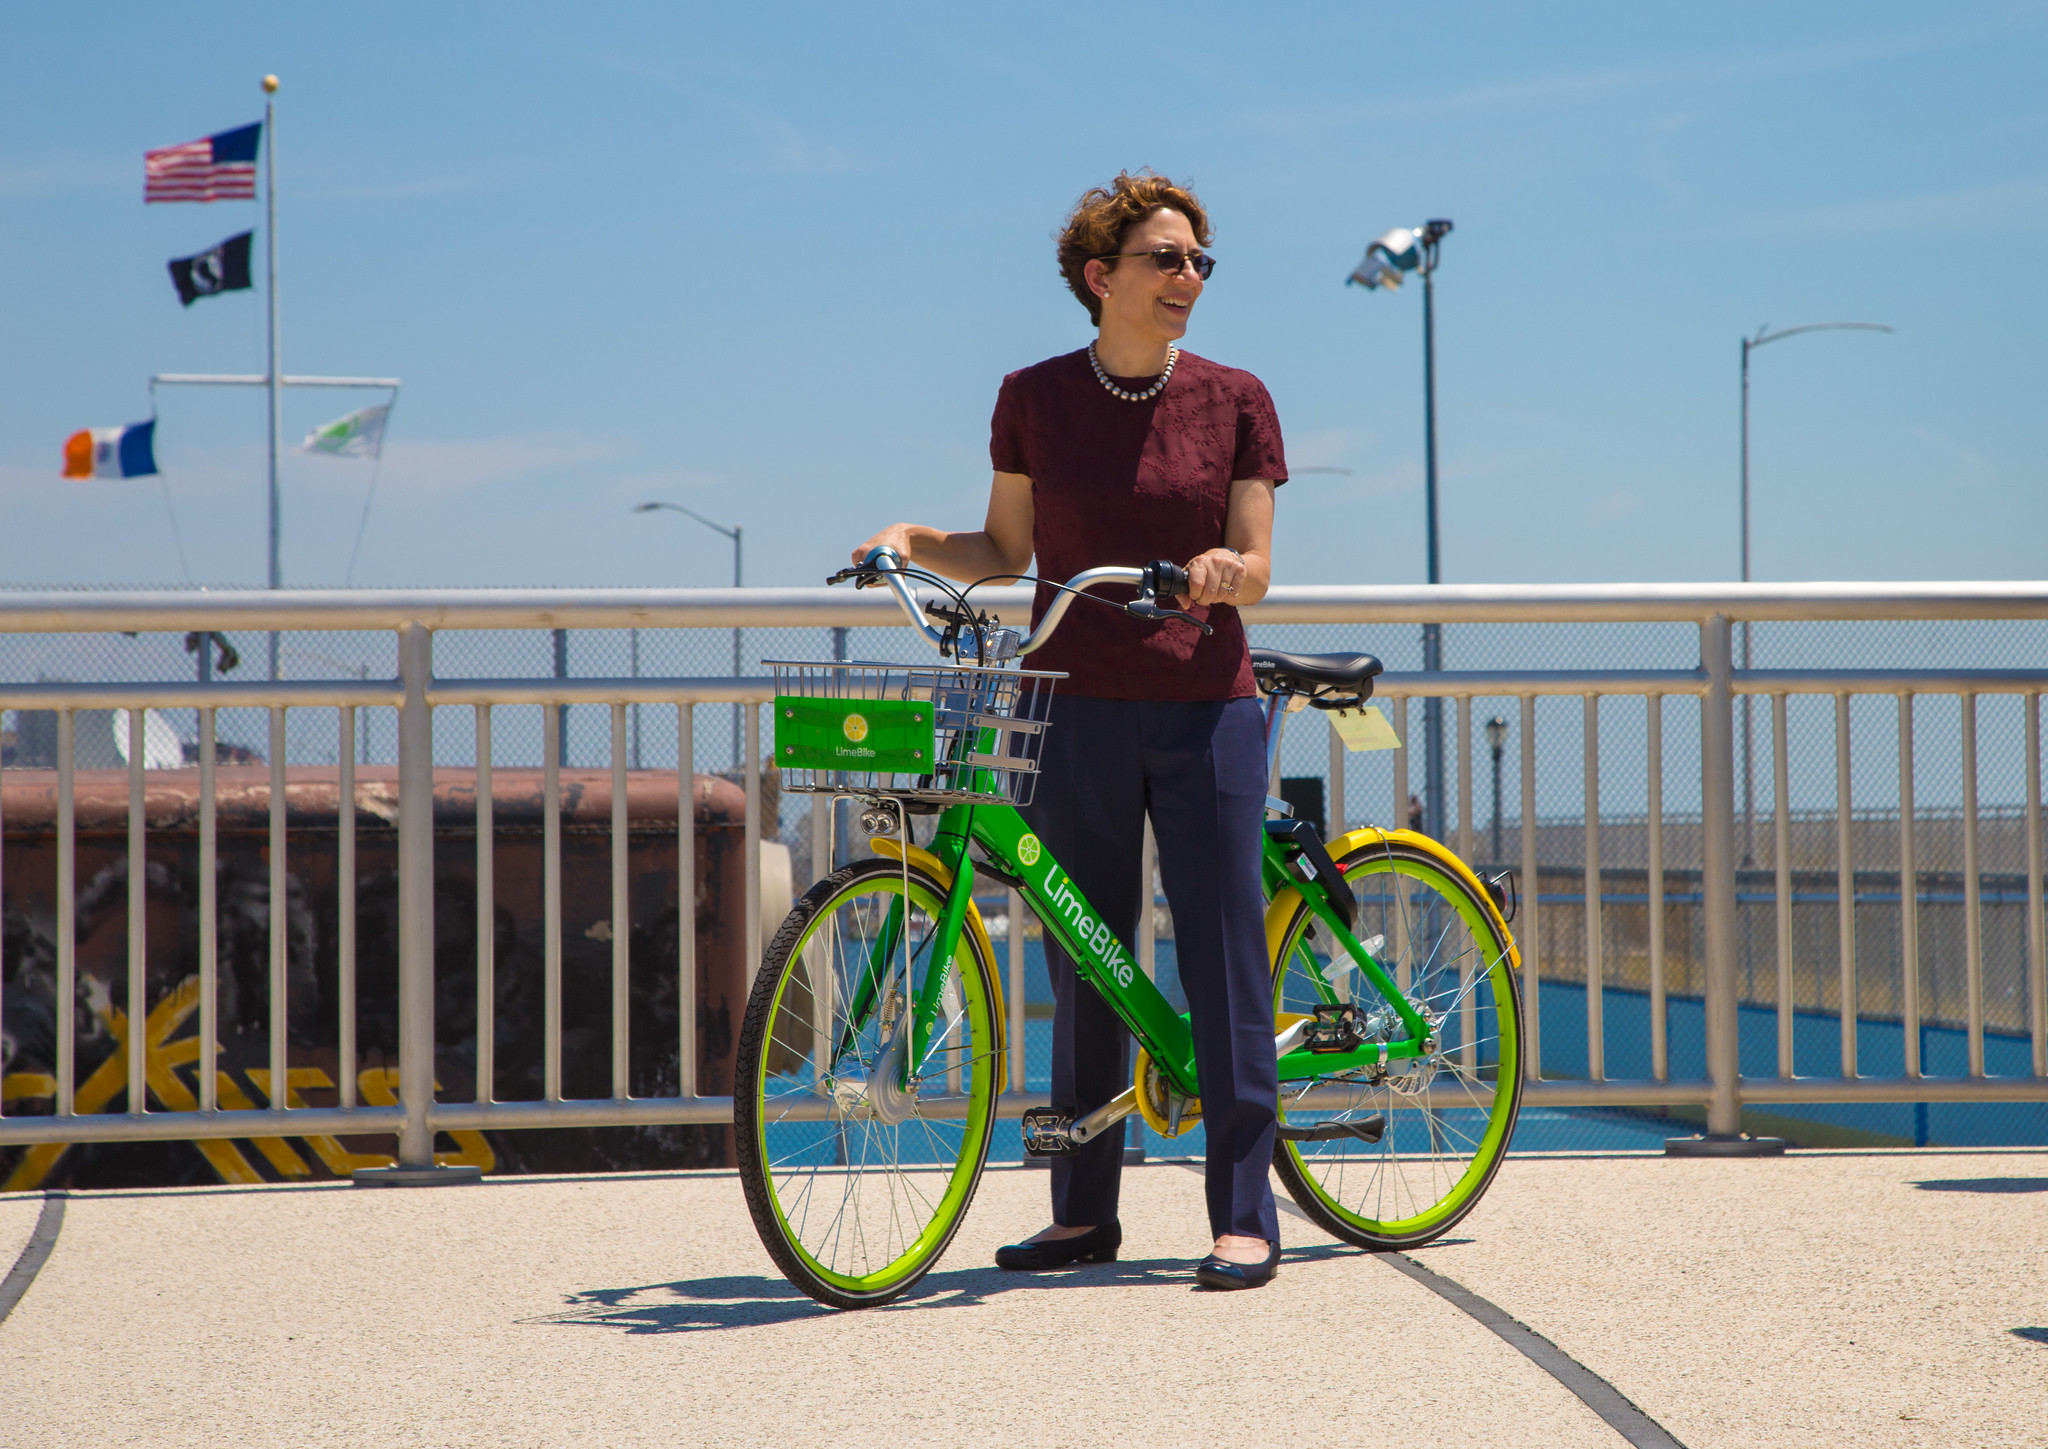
{"x": 270, "y": 292}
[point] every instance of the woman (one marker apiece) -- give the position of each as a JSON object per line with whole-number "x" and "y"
{"x": 1123, "y": 452}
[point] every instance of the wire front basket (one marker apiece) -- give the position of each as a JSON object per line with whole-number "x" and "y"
{"x": 948, "y": 733}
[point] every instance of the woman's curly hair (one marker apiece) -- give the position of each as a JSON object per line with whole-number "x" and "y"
{"x": 1096, "y": 227}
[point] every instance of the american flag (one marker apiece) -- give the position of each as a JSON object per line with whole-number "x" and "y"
{"x": 221, "y": 167}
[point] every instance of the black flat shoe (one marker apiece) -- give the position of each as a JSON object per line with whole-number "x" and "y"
{"x": 1221, "y": 1273}
{"x": 1097, "y": 1245}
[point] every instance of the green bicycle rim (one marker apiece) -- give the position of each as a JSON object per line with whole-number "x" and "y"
{"x": 881, "y": 882}
{"x": 1307, "y": 1178}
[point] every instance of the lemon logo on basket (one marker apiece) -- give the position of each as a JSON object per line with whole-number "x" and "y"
{"x": 854, "y": 727}
{"x": 1027, "y": 850}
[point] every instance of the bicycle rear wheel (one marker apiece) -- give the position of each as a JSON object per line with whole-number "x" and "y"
{"x": 1448, "y": 1117}
{"x": 859, "y": 1162}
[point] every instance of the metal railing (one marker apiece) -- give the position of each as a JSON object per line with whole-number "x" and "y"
{"x": 416, "y": 693}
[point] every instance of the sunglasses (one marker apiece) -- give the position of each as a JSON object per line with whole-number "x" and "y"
{"x": 1171, "y": 259}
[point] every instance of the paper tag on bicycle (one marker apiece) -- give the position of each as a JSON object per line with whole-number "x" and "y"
{"x": 1364, "y": 729}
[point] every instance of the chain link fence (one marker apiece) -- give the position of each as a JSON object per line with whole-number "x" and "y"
{"x": 1483, "y": 812}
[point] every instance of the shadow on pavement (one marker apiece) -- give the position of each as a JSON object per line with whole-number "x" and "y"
{"x": 1984, "y": 1184}
{"x": 756, "y": 1300}
{"x": 736, "y": 1301}
{"x": 2032, "y": 1335}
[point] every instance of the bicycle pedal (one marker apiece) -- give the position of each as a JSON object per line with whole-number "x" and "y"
{"x": 1049, "y": 1133}
{"x": 1339, "y": 1027}
{"x": 1369, "y": 1129}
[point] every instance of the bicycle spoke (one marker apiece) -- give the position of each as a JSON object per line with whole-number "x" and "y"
{"x": 1442, "y": 1112}
{"x": 866, "y": 1176}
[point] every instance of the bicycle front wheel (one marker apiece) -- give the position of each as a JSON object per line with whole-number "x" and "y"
{"x": 1447, "y": 1117}
{"x": 858, "y": 1149}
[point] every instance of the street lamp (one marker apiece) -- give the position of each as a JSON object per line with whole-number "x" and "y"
{"x": 1387, "y": 261}
{"x": 733, "y": 533}
{"x": 1764, "y": 337}
{"x": 1496, "y": 740}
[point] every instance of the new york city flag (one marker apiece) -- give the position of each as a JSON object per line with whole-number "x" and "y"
{"x": 128, "y": 452}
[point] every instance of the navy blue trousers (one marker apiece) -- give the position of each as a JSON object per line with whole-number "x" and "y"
{"x": 1199, "y": 769}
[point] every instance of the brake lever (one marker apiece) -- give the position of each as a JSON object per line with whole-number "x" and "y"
{"x": 1143, "y": 609}
{"x": 863, "y": 576}
{"x": 1163, "y": 579}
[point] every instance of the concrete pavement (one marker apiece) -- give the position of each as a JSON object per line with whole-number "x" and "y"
{"x": 1865, "y": 1299}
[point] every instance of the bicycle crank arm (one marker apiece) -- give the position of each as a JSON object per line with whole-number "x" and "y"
{"x": 1088, "y": 1128}
{"x": 1287, "y": 1040}
{"x": 1369, "y": 1130}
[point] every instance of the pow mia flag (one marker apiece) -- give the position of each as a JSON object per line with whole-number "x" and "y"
{"x": 224, "y": 269}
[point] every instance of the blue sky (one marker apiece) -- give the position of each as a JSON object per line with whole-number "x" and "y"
{"x": 772, "y": 262}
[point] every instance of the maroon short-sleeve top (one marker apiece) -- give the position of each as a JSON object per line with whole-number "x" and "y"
{"x": 1117, "y": 482}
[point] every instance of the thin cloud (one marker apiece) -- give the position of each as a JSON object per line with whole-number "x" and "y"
{"x": 2019, "y": 205}
{"x": 779, "y": 146}
{"x": 24, "y": 478}
{"x": 1963, "y": 461}
{"x": 459, "y": 466}
{"x": 784, "y": 148}
{"x": 49, "y": 177}
{"x": 1582, "y": 86}
{"x": 433, "y": 186}
{"x": 1323, "y": 447}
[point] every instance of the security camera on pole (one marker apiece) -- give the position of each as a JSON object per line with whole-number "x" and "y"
{"x": 1386, "y": 262}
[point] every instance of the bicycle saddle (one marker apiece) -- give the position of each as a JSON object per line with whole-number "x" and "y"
{"x": 1277, "y": 670}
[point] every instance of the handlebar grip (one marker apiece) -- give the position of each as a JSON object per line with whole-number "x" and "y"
{"x": 1168, "y": 579}
{"x": 864, "y": 574}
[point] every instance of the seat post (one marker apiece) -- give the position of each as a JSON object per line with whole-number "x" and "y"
{"x": 1276, "y": 726}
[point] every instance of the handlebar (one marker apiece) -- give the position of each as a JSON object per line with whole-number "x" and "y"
{"x": 1160, "y": 579}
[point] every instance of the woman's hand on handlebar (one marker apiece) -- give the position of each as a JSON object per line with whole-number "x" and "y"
{"x": 1214, "y": 577}
{"x": 896, "y": 536}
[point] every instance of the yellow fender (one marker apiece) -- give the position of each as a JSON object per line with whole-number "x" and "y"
{"x": 1281, "y": 911}
{"x": 924, "y": 860}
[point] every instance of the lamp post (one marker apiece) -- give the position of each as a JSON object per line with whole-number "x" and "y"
{"x": 733, "y": 533}
{"x": 1764, "y": 337}
{"x": 1496, "y": 740}
{"x": 1387, "y": 260}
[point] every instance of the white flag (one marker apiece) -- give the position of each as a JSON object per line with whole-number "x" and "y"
{"x": 359, "y": 435}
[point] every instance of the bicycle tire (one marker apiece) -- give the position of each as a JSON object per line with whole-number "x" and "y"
{"x": 1453, "y": 954}
{"x": 809, "y": 1105}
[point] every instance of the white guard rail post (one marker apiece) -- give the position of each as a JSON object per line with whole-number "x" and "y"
{"x": 414, "y": 616}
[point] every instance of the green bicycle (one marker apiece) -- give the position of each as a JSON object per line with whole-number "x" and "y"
{"x": 871, "y": 1059}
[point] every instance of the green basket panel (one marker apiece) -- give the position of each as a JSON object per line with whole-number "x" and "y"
{"x": 855, "y": 734}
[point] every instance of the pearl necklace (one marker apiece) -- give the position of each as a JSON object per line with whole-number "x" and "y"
{"x": 1172, "y": 356}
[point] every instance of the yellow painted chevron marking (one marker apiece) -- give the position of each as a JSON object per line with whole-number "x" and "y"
{"x": 340, "y": 1161}
{"x": 378, "y": 1086}
{"x": 112, "y": 1076}
{"x": 226, "y": 1159}
{"x": 164, "y": 1060}
{"x": 27, "y": 1086}
{"x": 279, "y": 1151}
